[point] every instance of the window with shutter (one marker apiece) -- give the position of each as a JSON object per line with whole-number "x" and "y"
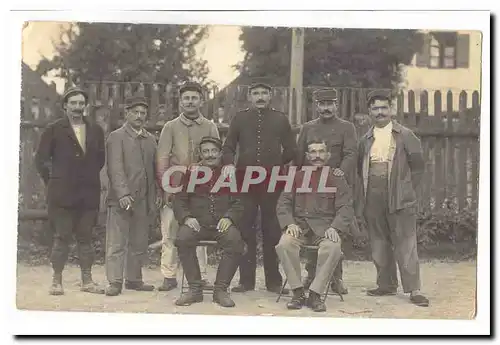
{"x": 463, "y": 51}
{"x": 444, "y": 50}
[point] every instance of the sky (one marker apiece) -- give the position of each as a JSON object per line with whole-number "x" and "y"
{"x": 221, "y": 49}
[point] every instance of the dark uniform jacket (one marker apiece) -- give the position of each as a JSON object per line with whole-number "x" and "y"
{"x": 71, "y": 174}
{"x": 208, "y": 208}
{"x": 405, "y": 170}
{"x": 315, "y": 210}
{"x": 265, "y": 138}
{"x": 341, "y": 139}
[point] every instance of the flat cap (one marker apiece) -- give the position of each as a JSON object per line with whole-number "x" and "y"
{"x": 75, "y": 90}
{"x": 260, "y": 82}
{"x": 190, "y": 86}
{"x": 133, "y": 101}
{"x": 325, "y": 95}
{"x": 379, "y": 94}
{"x": 216, "y": 141}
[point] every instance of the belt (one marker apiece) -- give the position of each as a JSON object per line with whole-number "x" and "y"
{"x": 379, "y": 168}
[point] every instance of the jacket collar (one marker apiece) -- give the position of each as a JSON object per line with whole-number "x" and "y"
{"x": 396, "y": 127}
{"x": 189, "y": 122}
{"x": 67, "y": 123}
{"x": 133, "y": 133}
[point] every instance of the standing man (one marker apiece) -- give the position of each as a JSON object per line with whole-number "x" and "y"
{"x": 179, "y": 145}
{"x": 341, "y": 139}
{"x": 69, "y": 159}
{"x": 391, "y": 166}
{"x": 265, "y": 139}
{"x": 316, "y": 218}
{"x": 208, "y": 213}
{"x": 131, "y": 199}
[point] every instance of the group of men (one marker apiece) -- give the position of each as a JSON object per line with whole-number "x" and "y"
{"x": 384, "y": 168}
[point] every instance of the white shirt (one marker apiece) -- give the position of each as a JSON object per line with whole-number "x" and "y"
{"x": 80, "y": 134}
{"x": 380, "y": 148}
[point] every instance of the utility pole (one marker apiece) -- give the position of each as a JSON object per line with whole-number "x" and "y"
{"x": 296, "y": 77}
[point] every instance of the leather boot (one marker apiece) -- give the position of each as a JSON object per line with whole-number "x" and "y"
{"x": 56, "y": 289}
{"x": 168, "y": 284}
{"x": 194, "y": 295}
{"x": 314, "y": 302}
{"x": 88, "y": 284}
{"x": 114, "y": 289}
{"x": 298, "y": 299}
{"x": 138, "y": 286}
{"x": 221, "y": 297}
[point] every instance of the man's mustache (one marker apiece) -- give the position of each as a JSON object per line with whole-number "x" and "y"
{"x": 317, "y": 160}
{"x": 261, "y": 101}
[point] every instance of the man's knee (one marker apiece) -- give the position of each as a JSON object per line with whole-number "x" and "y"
{"x": 233, "y": 241}
{"x": 333, "y": 248}
{"x": 186, "y": 237}
{"x": 286, "y": 243}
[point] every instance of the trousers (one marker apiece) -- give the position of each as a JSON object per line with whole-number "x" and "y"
{"x": 169, "y": 257}
{"x": 271, "y": 233}
{"x": 232, "y": 247}
{"x": 329, "y": 252}
{"x": 127, "y": 235}
{"x": 66, "y": 223}
{"x": 393, "y": 236}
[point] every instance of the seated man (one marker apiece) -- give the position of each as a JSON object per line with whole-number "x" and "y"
{"x": 314, "y": 217}
{"x": 206, "y": 215}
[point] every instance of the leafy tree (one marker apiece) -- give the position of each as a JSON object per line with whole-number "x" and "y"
{"x": 128, "y": 52}
{"x": 332, "y": 57}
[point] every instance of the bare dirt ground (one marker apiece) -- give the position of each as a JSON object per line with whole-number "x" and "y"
{"x": 449, "y": 286}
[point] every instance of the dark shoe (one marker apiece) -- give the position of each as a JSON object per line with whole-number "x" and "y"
{"x": 307, "y": 282}
{"x": 315, "y": 303}
{"x": 222, "y": 298}
{"x": 138, "y": 286}
{"x": 56, "y": 289}
{"x": 339, "y": 287}
{"x": 298, "y": 300}
{"x": 114, "y": 289}
{"x": 380, "y": 292}
{"x": 241, "y": 288}
{"x": 206, "y": 285}
{"x": 419, "y": 300}
{"x": 277, "y": 289}
{"x": 168, "y": 284}
{"x": 92, "y": 287}
{"x": 189, "y": 298}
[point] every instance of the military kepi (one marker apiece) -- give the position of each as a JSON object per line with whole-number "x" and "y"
{"x": 216, "y": 141}
{"x": 326, "y": 95}
{"x": 135, "y": 101}
{"x": 75, "y": 90}
{"x": 260, "y": 82}
{"x": 379, "y": 94}
{"x": 190, "y": 86}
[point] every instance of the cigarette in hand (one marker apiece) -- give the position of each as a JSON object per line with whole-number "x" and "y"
{"x": 128, "y": 206}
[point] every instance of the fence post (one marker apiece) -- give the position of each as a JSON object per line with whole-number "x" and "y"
{"x": 463, "y": 148}
{"x": 425, "y": 188}
{"x": 476, "y": 113}
{"x": 450, "y": 152}
{"x": 412, "y": 116}
{"x": 439, "y": 169}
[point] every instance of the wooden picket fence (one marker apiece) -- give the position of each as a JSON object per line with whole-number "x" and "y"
{"x": 450, "y": 136}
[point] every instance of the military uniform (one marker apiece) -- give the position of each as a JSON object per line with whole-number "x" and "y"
{"x": 265, "y": 139}
{"x": 340, "y": 136}
{"x": 208, "y": 208}
{"x": 314, "y": 213}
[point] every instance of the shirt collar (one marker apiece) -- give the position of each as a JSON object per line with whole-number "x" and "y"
{"x": 189, "y": 122}
{"x": 396, "y": 127}
{"x": 133, "y": 132}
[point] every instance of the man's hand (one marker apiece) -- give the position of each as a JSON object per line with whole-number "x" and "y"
{"x": 338, "y": 172}
{"x": 293, "y": 230}
{"x": 228, "y": 170}
{"x": 159, "y": 201}
{"x": 224, "y": 224}
{"x": 167, "y": 199}
{"x": 126, "y": 202}
{"x": 193, "y": 224}
{"x": 332, "y": 235}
